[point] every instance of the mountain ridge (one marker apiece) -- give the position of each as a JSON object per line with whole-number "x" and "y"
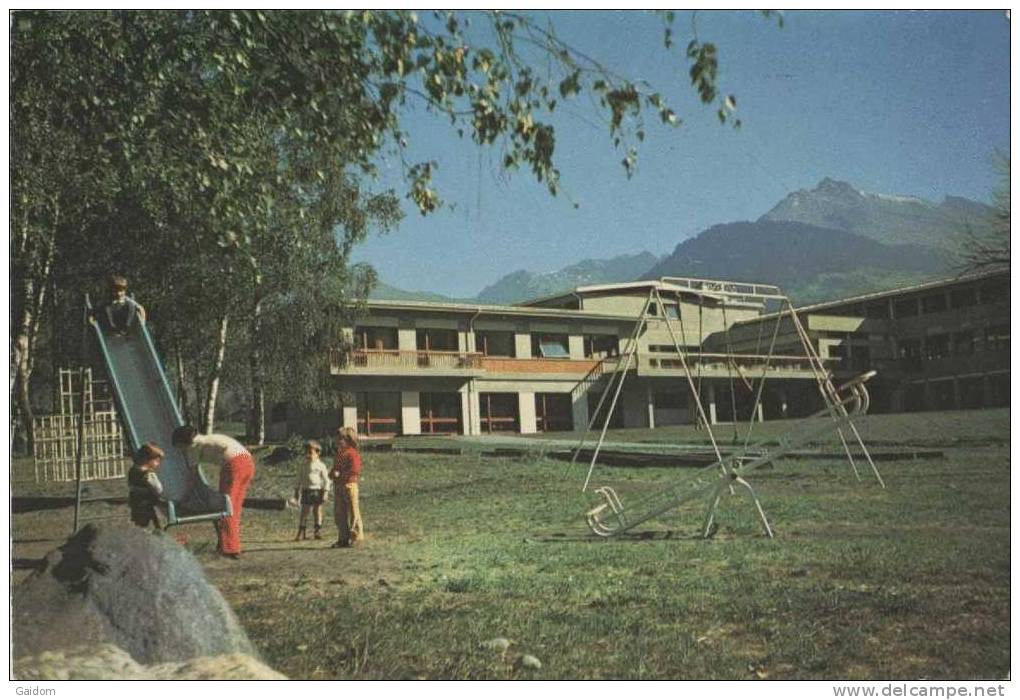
{"x": 817, "y": 244}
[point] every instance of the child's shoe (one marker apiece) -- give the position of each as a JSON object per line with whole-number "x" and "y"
{"x": 301, "y": 534}
{"x": 318, "y": 532}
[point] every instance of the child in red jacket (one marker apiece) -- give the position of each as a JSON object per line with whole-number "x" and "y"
{"x": 345, "y": 474}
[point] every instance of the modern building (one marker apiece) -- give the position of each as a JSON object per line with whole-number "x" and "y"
{"x": 444, "y": 368}
{"x": 936, "y": 346}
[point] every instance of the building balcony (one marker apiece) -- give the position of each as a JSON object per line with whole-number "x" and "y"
{"x": 451, "y": 363}
{"x": 545, "y": 367}
{"x": 977, "y": 363}
{"x": 719, "y": 365}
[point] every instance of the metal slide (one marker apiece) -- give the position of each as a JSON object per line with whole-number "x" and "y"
{"x": 149, "y": 413}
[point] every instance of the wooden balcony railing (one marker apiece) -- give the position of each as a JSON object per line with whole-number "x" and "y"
{"x": 413, "y": 360}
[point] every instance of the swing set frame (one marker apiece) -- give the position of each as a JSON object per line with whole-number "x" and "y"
{"x": 609, "y": 516}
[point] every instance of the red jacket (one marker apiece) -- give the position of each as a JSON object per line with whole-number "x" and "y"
{"x": 346, "y": 466}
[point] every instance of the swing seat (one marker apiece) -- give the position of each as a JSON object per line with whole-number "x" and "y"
{"x": 606, "y": 518}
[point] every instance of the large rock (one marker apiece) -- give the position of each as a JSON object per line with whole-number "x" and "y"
{"x": 108, "y": 662}
{"x": 125, "y": 586}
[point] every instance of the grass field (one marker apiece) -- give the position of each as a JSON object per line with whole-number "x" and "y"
{"x": 908, "y": 582}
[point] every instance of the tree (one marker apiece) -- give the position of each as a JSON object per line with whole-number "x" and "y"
{"x": 201, "y": 148}
{"x": 988, "y": 244}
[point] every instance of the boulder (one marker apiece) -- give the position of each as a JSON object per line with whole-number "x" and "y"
{"x": 125, "y": 586}
{"x": 109, "y": 662}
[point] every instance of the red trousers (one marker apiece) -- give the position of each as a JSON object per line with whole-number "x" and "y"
{"x": 234, "y": 480}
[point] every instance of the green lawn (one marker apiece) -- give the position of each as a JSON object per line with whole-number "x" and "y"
{"x": 908, "y": 582}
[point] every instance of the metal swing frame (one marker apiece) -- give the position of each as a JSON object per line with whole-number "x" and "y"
{"x": 727, "y": 473}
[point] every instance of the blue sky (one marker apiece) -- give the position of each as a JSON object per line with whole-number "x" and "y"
{"x": 911, "y": 103}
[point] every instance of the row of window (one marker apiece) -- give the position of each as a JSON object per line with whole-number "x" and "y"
{"x": 936, "y": 302}
{"x": 993, "y": 338}
{"x": 489, "y": 343}
{"x": 379, "y": 413}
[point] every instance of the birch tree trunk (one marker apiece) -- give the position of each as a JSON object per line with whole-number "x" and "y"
{"x": 208, "y": 421}
{"x": 257, "y": 414}
{"x": 182, "y": 390}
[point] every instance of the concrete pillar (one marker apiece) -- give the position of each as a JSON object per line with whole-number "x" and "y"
{"x": 350, "y": 416}
{"x": 410, "y": 412}
{"x": 712, "y": 418}
{"x": 470, "y": 411}
{"x": 407, "y": 339}
{"x": 576, "y": 346}
{"x": 522, "y": 345}
{"x": 580, "y": 410}
{"x": 760, "y": 412}
{"x": 526, "y": 411}
{"x": 650, "y": 399}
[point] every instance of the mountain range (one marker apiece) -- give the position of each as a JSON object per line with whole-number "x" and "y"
{"x": 825, "y": 243}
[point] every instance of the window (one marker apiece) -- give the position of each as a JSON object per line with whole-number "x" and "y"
{"x": 600, "y": 346}
{"x": 378, "y": 413}
{"x": 375, "y": 338}
{"x": 689, "y": 349}
{"x": 672, "y": 311}
{"x": 440, "y": 339}
{"x": 910, "y": 353}
{"x": 933, "y": 303}
{"x": 877, "y": 311}
{"x": 963, "y": 343}
{"x": 553, "y": 412}
{"x": 495, "y": 343}
{"x": 995, "y": 293}
{"x": 906, "y": 307}
{"x": 997, "y": 337}
{"x": 440, "y": 412}
{"x": 936, "y": 346}
{"x": 498, "y": 413}
{"x": 963, "y": 298}
{"x": 550, "y": 346}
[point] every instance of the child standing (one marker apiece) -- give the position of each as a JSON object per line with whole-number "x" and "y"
{"x": 345, "y": 474}
{"x": 236, "y": 471}
{"x": 144, "y": 488}
{"x": 312, "y": 489}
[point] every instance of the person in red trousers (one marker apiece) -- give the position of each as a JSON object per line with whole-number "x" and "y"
{"x": 236, "y": 471}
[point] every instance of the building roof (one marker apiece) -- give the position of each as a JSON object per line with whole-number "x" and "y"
{"x": 497, "y": 310}
{"x": 726, "y": 289}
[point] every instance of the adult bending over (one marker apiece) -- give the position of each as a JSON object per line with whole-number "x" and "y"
{"x": 236, "y": 471}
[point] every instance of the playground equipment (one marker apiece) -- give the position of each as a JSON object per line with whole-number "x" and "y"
{"x": 54, "y": 452}
{"x": 728, "y": 472}
{"x": 149, "y": 412}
